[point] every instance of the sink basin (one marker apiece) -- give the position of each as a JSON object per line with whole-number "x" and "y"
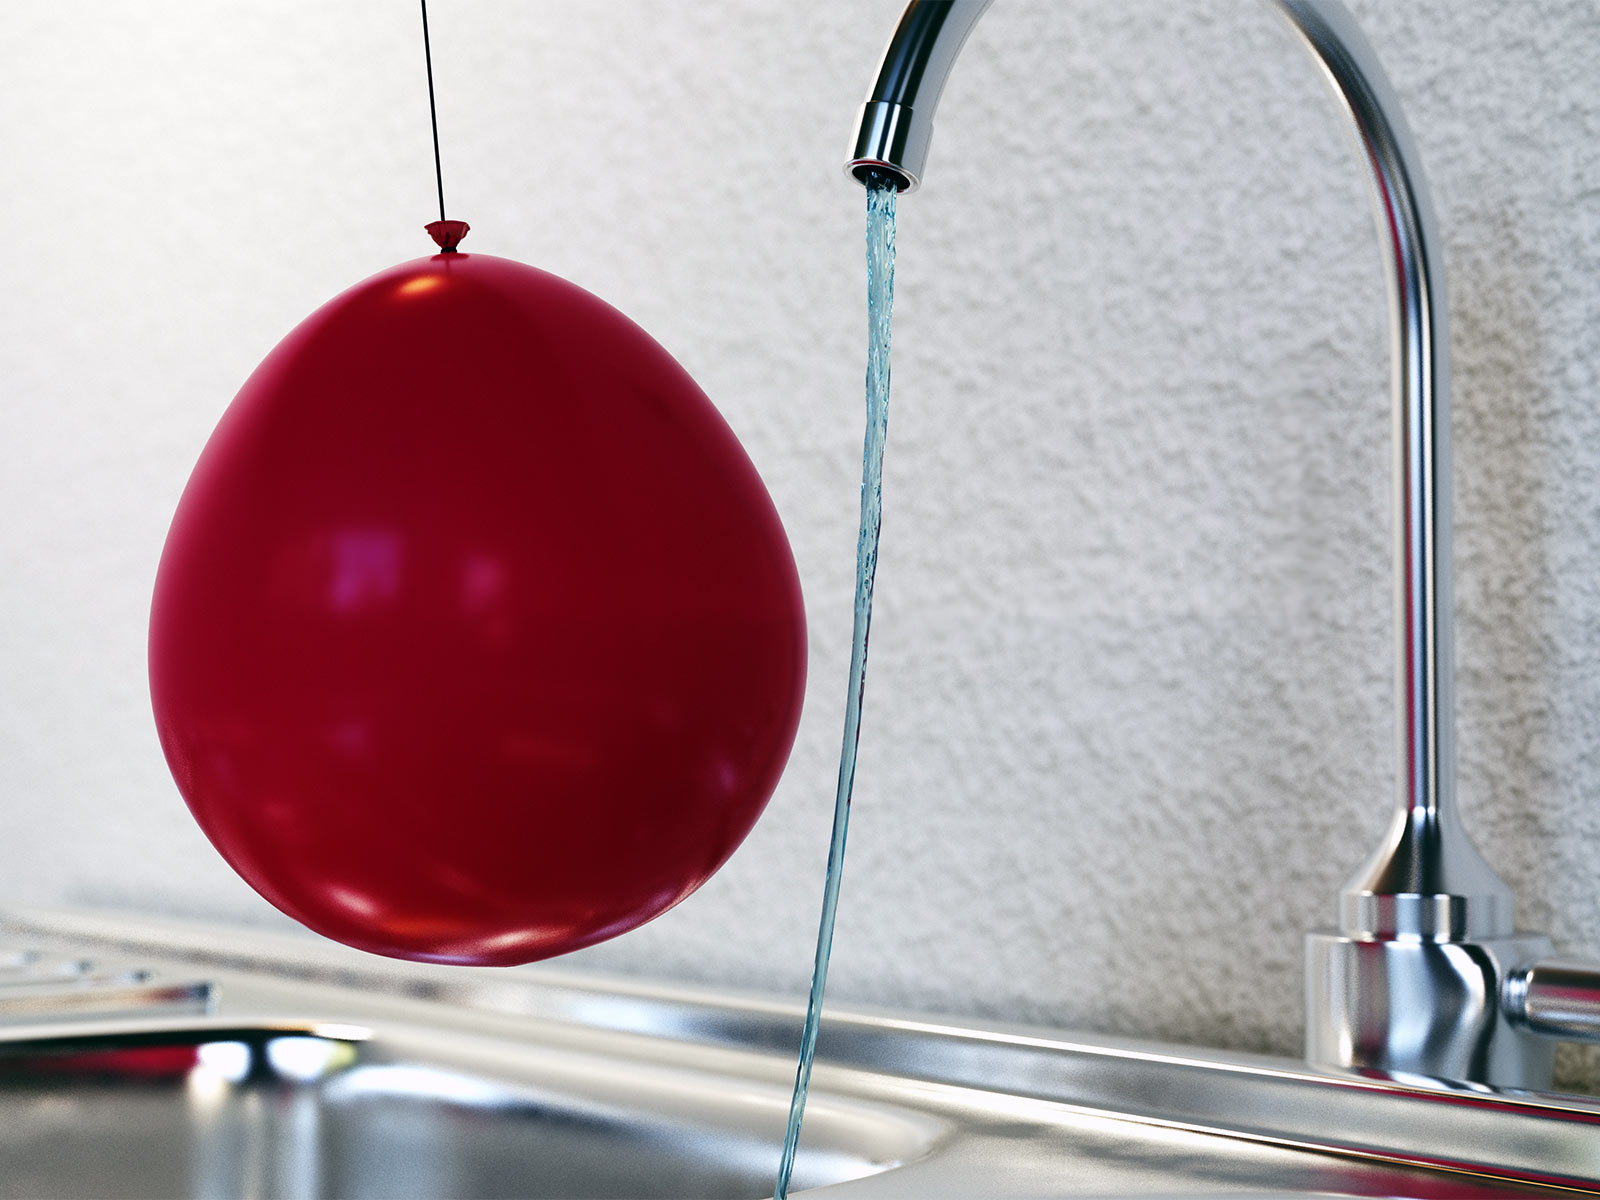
{"x": 153, "y": 1058}
{"x": 213, "y": 1110}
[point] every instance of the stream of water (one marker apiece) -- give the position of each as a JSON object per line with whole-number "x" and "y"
{"x": 880, "y": 300}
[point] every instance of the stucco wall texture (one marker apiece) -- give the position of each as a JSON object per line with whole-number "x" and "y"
{"x": 1128, "y": 722}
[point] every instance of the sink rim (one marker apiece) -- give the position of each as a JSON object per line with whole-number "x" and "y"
{"x": 1537, "y": 1138}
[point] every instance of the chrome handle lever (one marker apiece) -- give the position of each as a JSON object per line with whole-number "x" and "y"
{"x": 1556, "y": 997}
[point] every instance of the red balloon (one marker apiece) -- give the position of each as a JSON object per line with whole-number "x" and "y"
{"x": 476, "y": 637}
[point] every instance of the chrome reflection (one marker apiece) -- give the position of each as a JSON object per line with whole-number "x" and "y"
{"x": 227, "y": 1061}
{"x": 308, "y": 1059}
{"x": 410, "y": 1081}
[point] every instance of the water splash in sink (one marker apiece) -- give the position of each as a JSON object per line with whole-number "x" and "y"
{"x": 881, "y": 193}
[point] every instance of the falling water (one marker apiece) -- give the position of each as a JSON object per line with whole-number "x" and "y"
{"x": 880, "y": 299}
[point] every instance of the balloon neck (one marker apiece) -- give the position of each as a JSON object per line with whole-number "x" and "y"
{"x": 447, "y": 234}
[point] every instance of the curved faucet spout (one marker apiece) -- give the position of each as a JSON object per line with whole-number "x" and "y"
{"x": 896, "y": 122}
{"x": 1428, "y": 879}
{"x": 1427, "y": 885}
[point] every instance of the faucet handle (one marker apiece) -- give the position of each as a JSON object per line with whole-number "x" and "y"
{"x": 1556, "y": 997}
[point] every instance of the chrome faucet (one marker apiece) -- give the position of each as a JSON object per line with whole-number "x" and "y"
{"x": 1425, "y": 975}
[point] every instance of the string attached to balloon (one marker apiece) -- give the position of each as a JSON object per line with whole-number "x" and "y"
{"x": 476, "y": 637}
{"x": 433, "y": 109}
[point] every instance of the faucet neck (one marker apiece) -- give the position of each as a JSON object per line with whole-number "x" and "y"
{"x": 1427, "y": 878}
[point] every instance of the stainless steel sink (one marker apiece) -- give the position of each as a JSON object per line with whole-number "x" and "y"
{"x": 258, "y": 1110}
{"x": 153, "y": 1058}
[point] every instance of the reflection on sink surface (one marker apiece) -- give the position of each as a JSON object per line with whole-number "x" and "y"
{"x": 285, "y": 1112}
{"x": 245, "y": 1064}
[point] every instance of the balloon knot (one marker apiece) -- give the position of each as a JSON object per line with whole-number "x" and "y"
{"x": 447, "y": 234}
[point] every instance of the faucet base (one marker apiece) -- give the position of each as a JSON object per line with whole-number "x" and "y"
{"x": 1424, "y": 1008}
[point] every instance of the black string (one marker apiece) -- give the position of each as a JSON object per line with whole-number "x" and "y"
{"x": 433, "y": 112}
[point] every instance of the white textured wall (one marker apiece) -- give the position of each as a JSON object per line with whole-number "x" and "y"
{"x": 1128, "y": 720}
